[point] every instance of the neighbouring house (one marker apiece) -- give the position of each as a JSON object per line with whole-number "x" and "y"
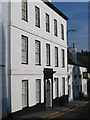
{"x": 77, "y": 84}
{"x": 34, "y": 56}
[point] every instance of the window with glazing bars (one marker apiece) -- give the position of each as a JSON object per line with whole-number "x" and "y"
{"x": 38, "y": 90}
{"x": 63, "y": 58}
{"x": 24, "y": 49}
{"x": 56, "y": 57}
{"x": 47, "y": 54}
{"x": 37, "y": 16}
{"x": 63, "y": 86}
{"x": 37, "y": 53}
{"x": 24, "y": 10}
{"x": 55, "y": 27}
{"x": 47, "y": 23}
{"x": 62, "y": 32}
{"x": 56, "y": 87}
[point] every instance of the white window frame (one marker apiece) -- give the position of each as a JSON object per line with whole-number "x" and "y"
{"x": 24, "y": 93}
{"x": 38, "y": 90}
{"x": 47, "y": 23}
{"x": 47, "y": 54}
{"x": 24, "y": 49}
{"x": 24, "y": 10}
{"x": 37, "y": 52}
{"x": 63, "y": 85}
{"x": 56, "y": 56}
{"x": 56, "y": 87}
{"x": 55, "y": 27}
{"x": 37, "y": 16}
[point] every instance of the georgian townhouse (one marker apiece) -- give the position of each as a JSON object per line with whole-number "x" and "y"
{"x": 34, "y": 56}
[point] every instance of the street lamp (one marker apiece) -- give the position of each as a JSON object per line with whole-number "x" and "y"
{"x": 72, "y": 30}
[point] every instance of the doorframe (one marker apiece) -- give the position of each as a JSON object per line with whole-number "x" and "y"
{"x": 48, "y": 74}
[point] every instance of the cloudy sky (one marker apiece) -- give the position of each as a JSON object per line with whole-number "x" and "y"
{"x": 77, "y": 12}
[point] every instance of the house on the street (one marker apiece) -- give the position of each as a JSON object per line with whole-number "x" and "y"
{"x": 34, "y": 54}
{"x": 77, "y": 83}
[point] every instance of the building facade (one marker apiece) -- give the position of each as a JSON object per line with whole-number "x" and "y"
{"x": 34, "y": 55}
{"x": 77, "y": 84}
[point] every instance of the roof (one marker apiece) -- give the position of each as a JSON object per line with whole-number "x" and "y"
{"x": 70, "y": 60}
{"x": 56, "y": 10}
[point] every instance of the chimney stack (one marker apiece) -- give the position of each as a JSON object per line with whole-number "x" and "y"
{"x": 73, "y": 45}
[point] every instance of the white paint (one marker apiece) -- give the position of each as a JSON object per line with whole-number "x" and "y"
{"x": 17, "y": 71}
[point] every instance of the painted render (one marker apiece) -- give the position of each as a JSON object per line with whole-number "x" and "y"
{"x": 14, "y": 72}
{"x": 77, "y": 84}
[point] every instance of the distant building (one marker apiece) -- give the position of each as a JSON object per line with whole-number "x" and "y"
{"x": 34, "y": 54}
{"x": 77, "y": 83}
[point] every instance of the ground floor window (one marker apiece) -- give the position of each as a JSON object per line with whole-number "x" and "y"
{"x": 38, "y": 90}
{"x": 24, "y": 93}
{"x": 63, "y": 85}
{"x": 56, "y": 87}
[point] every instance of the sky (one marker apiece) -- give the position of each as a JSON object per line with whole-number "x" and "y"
{"x": 77, "y": 12}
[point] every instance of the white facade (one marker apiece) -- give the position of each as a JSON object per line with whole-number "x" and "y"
{"x": 77, "y": 84}
{"x": 14, "y": 27}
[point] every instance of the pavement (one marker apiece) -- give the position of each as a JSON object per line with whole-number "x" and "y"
{"x": 56, "y": 110}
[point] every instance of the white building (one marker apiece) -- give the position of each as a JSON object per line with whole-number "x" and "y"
{"x": 77, "y": 83}
{"x": 34, "y": 45}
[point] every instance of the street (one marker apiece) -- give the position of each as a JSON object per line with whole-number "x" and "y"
{"x": 81, "y": 111}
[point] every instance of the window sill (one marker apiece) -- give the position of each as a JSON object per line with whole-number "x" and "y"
{"x": 25, "y": 20}
{"x": 38, "y": 64}
{"x": 37, "y": 26}
{"x": 25, "y": 63}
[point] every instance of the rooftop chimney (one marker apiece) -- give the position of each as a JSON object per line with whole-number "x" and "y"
{"x": 73, "y": 45}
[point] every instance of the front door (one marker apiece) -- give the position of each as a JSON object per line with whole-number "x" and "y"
{"x": 48, "y": 90}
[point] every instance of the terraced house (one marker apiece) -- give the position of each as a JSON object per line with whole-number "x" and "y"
{"x": 34, "y": 57}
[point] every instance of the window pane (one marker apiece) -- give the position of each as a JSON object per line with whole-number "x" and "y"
{"x": 37, "y": 17}
{"x": 38, "y": 90}
{"x": 24, "y": 93}
{"x": 47, "y": 22}
{"x": 62, "y": 31}
{"x": 24, "y": 49}
{"x": 47, "y": 54}
{"x": 37, "y": 52}
{"x": 24, "y": 9}
{"x": 55, "y": 27}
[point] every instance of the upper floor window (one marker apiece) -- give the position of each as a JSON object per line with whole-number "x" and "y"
{"x": 37, "y": 53}
{"x": 47, "y": 23}
{"x": 24, "y": 49}
{"x": 62, "y": 32}
{"x": 37, "y": 16}
{"x": 63, "y": 58}
{"x": 56, "y": 56}
{"x": 24, "y": 10}
{"x": 48, "y": 54}
{"x": 55, "y": 27}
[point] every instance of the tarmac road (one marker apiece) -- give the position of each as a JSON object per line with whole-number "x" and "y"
{"x": 81, "y": 111}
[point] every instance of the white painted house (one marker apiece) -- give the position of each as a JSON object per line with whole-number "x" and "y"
{"x": 34, "y": 54}
{"x": 77, "y": 83}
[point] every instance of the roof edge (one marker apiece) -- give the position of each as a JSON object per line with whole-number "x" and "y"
{"x": 56, "y": 10}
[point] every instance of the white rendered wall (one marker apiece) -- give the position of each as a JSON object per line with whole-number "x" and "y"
{"x": 84, "y": 81}
{"x": 31, "y": 72}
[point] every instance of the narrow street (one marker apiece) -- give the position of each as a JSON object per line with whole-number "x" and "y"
{"x": 80, "y": 111}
